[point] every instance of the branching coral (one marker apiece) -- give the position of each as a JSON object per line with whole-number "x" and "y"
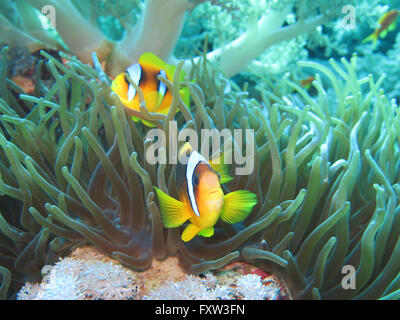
{"x": 325, "y": 173}
{"x": 158, "y": 30}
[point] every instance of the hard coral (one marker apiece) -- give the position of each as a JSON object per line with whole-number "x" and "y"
{"x": 83, "y": 36}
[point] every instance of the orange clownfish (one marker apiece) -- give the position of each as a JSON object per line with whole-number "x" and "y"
{"x": 157, "y": 96}
{"x": 201, "y": 199}
{"x": 387, "y": 23}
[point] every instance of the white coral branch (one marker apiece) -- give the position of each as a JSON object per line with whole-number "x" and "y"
{"x": 237, "y": 55}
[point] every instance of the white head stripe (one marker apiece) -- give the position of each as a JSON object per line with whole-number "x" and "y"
{"x": 135, "y": 73}
{"x": 193, "y": 161}
{"x": 162, "y": 88}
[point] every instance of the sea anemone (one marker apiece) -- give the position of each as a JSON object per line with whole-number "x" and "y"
{"x": 73, "y": 170}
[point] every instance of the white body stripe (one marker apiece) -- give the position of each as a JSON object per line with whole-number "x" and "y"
{"x": 135, "y": 73}
{"x": 194, "y": 159}
{"x": 162, "y": 88}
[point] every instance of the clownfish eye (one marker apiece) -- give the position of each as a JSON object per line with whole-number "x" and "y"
{"x": 196, "y": 180}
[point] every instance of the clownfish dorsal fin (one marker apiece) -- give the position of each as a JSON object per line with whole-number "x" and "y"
{"x": 217, "y": 164}
{"x": 152, "y": 59}
{"x": 135, "y": 73}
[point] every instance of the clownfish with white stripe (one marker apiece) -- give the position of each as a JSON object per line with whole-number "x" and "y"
{"x": 201, "y": 198}
{"x": 157, "y": 96}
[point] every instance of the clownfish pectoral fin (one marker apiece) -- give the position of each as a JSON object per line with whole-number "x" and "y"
{"x": 190, "y": 231}
{"x": 207, "y": 232}
{"x": 237, "y": 205}
{"x": 173, "y": 212}
{"x": 217, "y": 163}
